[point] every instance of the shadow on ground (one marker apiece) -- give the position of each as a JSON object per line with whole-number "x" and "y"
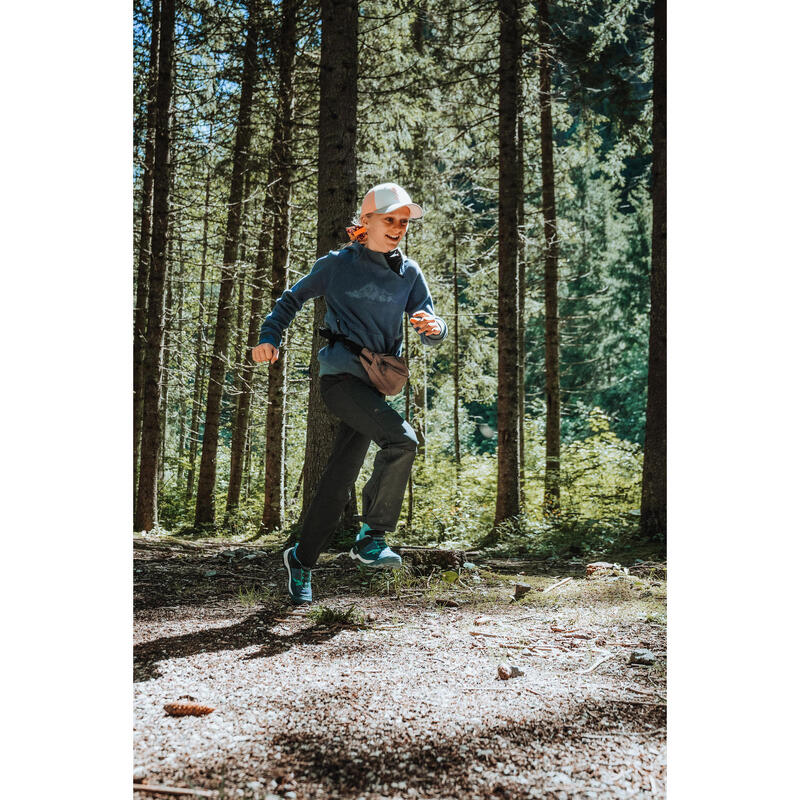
{"x": 248, "y": 632}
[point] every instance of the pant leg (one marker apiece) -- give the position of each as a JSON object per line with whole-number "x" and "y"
{"x": 365, "y": 410}
{"x": 331, "y": 495}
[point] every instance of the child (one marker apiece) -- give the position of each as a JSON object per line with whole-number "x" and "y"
{"x": 367, "y": 285}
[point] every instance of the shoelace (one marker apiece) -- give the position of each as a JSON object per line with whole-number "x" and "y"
{"x": 305, "y": 576}
{"x": 379, "y": 541}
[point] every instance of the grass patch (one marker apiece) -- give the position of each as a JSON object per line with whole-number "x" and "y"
{"x": 250, "y": 596}
{"x": 329, "y": 617}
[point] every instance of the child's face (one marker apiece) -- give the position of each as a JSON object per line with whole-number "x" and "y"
{"x": 384, "y": 231}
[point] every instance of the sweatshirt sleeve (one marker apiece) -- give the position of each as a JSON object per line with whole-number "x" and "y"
{"x": 291, "y": 301}
{"x": 420, "y": 300}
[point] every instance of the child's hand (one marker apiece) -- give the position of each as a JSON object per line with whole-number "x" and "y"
{"x": 426, "y": 323}
{"x": 265, "y": 353}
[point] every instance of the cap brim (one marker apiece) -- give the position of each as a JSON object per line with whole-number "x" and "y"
{"x": 416, "y": 211}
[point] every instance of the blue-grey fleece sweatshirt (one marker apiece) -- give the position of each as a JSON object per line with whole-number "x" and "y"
{"x": 366, "y": 300}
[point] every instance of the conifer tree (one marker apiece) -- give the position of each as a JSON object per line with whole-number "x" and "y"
{"x": 147, "y": 494}
{"x": 507, "y": 281}
{"x": 552, "y": 382}
{"x": 206, "y": 482}
{"x": 653, "y": 518}
{"x": 145, "y": 233}
{"x": 337, "y": 197}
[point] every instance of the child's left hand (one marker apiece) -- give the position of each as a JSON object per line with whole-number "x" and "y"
{"x": 426, "y": 323}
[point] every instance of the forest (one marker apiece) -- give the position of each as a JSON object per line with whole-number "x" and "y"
{"x": 517, "y": 646}
{"x": 534, "y": 135}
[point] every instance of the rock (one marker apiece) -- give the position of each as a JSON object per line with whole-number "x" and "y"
{"x": 507, "y": 671}
{"x": 521, "y": 589}
{"x": 469, "y": 565}
{"x": 139, "y": 774}
{"x": 642, "y": 656}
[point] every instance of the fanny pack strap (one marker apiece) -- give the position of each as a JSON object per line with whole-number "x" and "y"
{"x": 332, "y": 337}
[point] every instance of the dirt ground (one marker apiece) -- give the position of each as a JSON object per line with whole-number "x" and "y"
{"x": 388, "y": 686}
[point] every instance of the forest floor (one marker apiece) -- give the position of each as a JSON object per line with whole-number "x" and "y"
{"x": 388, "y": 685}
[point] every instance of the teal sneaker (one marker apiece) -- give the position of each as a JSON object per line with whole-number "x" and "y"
{"x": 371, "y": 550}
{"x": 299, "y": 577}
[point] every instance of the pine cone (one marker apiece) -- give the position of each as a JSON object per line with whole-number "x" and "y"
{"x": 183, "y": 709}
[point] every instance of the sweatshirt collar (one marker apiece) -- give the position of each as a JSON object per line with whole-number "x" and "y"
{"x": 380, "y": 258}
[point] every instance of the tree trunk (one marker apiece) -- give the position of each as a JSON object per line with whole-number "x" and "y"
{"x": 507, "y": 321}
{"x": 410, "y": 515}
{"x": 143, "y": 268}
{"x": 653, "y": 521}
{"x": 274, "y": 462}
{"x": 552, "y": 474}
{"x": 456, "y": 373}
{"x": 521, "y": 301}
{"x": 276, "y": 215}
{"x": 179, "y": 359}
{"x": 206, "y": 482}
{"x": 165, "y": 356}
{"x": 147, "y": 494}
{"x": 337, "y": 197}
{"x": 200, "y": 359}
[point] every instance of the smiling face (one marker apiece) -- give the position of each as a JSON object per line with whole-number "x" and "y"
{"x": 385, "y": 231}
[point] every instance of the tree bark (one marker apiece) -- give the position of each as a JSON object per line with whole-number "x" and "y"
{"x": 143, "y": 267}
{"x": 337, "y": 197}
{"x": 179, "y": 357}
{"x": 200, "y": 358}
{"x": 456, "y": 373}
{"x": 276, "y": 214}
{"x": 653, "y": 520}
{"x": 552, "y": 474}
{"x": 206, "y": 481}
{"x": 507, "y": 320}
{"x": 147, "y": 493}
{"x": 521, "y": 300}
{"x": 407, "y": 392}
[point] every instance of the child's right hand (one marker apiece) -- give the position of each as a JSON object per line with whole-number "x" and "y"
{"x": 265, "y": 353}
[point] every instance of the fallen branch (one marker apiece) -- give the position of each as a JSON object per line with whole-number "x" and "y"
{"x": 556, "y": 585}
{"x": 158, "y": 789}
{"x": 597, "y": 664}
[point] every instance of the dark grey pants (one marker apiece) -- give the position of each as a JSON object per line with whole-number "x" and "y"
{"x": 365, "y": 416}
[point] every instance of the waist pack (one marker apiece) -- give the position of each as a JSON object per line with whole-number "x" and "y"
{"x": 387, "y": 373}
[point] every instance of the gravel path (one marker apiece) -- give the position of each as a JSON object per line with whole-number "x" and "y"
{"x": 408, "y": 705}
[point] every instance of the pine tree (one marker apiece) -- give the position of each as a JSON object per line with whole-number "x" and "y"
{"x": 206, "y": 482}
{"x": 145, "y": 234}
{"x": 147, "y": 494}
{"x": 552, "y": 384}
{"x": 653, "y": 523}
{"x": 507, "y": 281}
{"x": 337, "y": 197}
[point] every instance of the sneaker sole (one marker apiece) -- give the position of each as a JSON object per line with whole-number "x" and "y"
{"x": 296, "y": 601}
{"x": 385, "y": 564}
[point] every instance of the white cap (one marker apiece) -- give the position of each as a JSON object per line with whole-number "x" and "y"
{"x": 387, "y": 197}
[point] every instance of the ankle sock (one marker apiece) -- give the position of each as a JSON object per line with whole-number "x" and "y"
{"x": 365, "y": 529}
{"x": 296, "y": 561}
